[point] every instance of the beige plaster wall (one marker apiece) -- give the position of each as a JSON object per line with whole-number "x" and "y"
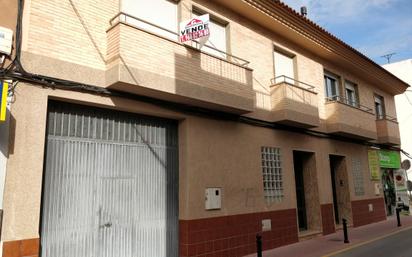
{"x": 213, "y": 153}
{"x": 25, "y": 166}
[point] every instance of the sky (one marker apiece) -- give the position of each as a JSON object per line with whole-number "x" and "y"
{"x": 373, "y": 27}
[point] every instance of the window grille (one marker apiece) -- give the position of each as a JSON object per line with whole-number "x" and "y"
{"x": 272, "y": 174}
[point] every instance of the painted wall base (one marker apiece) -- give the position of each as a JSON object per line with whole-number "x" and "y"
{"x": 21, "y": 248}
{"x": 235, "y": 235}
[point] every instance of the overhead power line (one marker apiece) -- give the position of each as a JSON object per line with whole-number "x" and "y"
{"x": 16, "y": 71}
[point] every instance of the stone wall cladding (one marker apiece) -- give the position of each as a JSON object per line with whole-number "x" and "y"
{"x": 235, "y": 235}
{"x": 362, "y": 215}
{"x": 328, "y": 221}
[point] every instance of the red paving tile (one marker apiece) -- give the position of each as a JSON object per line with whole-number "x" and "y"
{"x": 323, "y": 245}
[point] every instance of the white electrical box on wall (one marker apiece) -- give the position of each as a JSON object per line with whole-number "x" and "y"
{"x": 6, "y": 40}
{"x": 213, "y": 198}
{"x": 377, "y": 189}
{"x": 266, "y": 225}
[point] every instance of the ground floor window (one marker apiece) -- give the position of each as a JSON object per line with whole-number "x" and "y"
{"x": 272, "y": 174}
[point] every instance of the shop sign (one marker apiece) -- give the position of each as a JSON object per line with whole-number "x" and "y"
{"x": 402, "y": 198}
{"x": 196, "y": 28}
{"x": 389, "y": 159}
{"x": 4, "y": 87}
{"x": 400, "y": 180}
{"x": 374, "y": 168}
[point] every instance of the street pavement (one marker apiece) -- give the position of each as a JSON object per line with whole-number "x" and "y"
{"x": 330, "y": 245}
{"x": 397, "y": 245}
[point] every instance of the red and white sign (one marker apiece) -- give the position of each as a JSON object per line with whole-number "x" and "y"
{"x": 196, "y": 28}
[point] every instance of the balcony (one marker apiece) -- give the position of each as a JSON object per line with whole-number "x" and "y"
{"x": 148, "y": 63}
{"x": 347, "y": 120}
{"x": 294, "y": 103}
{"x": 388, "y": 131}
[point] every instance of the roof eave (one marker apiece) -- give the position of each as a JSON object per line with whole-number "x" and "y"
{"x": 285, "y": 15}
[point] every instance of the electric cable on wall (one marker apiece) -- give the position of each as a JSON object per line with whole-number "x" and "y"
{"x": 15, "y": 71}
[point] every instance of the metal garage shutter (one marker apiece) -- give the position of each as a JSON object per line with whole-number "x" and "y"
{"x": 110, "y": 184}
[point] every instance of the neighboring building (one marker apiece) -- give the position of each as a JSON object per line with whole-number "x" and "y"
{"x": 271, "y": 123}
{"x": 403, "y": 102}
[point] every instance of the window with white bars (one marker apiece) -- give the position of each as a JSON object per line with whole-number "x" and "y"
{"x": 272, "y": 174}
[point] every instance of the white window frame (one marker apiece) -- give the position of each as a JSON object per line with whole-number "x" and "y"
{"x": 281, "y": 59}
{"x": 152, "y": 22}
{"x": 328, "y": 87}
{"x": 351, "y": 99}
{"x": 379, "y": 106}
{"x": 209, "y": 46}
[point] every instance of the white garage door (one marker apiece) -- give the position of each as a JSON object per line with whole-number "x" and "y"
{"x": 110, "y": 184}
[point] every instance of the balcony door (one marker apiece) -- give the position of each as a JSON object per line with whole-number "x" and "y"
{"x": 284, "y": 67}
{"x": 156, "y": 16}
{"x": 331, "y": 87}
{"x": 379, "y": 107}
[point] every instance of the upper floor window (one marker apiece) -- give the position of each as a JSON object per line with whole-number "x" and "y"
{"x": 157, "y": 16}
{"x": 284, "y": 67}
{"x": 379, "y": 107}
{"x": 331, "y": 86}
{"x": 351, "y": 93}
{"x": 217, "y": 42}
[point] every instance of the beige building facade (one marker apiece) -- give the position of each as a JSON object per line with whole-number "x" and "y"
{"x": 159, "y": 148}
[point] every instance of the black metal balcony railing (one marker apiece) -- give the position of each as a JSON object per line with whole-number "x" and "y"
{"x": 348, "y": 102}
{"x": 293, "y": 82}
{"x": 125, "y": 18}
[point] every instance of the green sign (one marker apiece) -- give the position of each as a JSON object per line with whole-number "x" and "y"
{"x": 374, "y": 168}
{"x": 389, "y": 159}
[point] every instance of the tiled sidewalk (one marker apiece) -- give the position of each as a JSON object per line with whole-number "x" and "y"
{"x": 324, "y": 245}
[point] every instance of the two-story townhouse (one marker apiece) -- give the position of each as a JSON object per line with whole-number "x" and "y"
{"x": 126, "y": 142}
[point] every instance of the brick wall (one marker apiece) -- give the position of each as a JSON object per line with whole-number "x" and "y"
{"x": 70, "y": 30}
{"x": 296, "y": 104}
{"x": 235, "y": 235}
{"x": 328, "y": 220}
{"x": 388, "y": 132}
{"x": 343, "y": 118}
{"x": 362, "y": 215}
{"x": 76, "y": 31}
{"x": 173, "y": 60}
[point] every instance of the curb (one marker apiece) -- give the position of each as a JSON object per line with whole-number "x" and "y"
{"x": 366, "y": 242}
